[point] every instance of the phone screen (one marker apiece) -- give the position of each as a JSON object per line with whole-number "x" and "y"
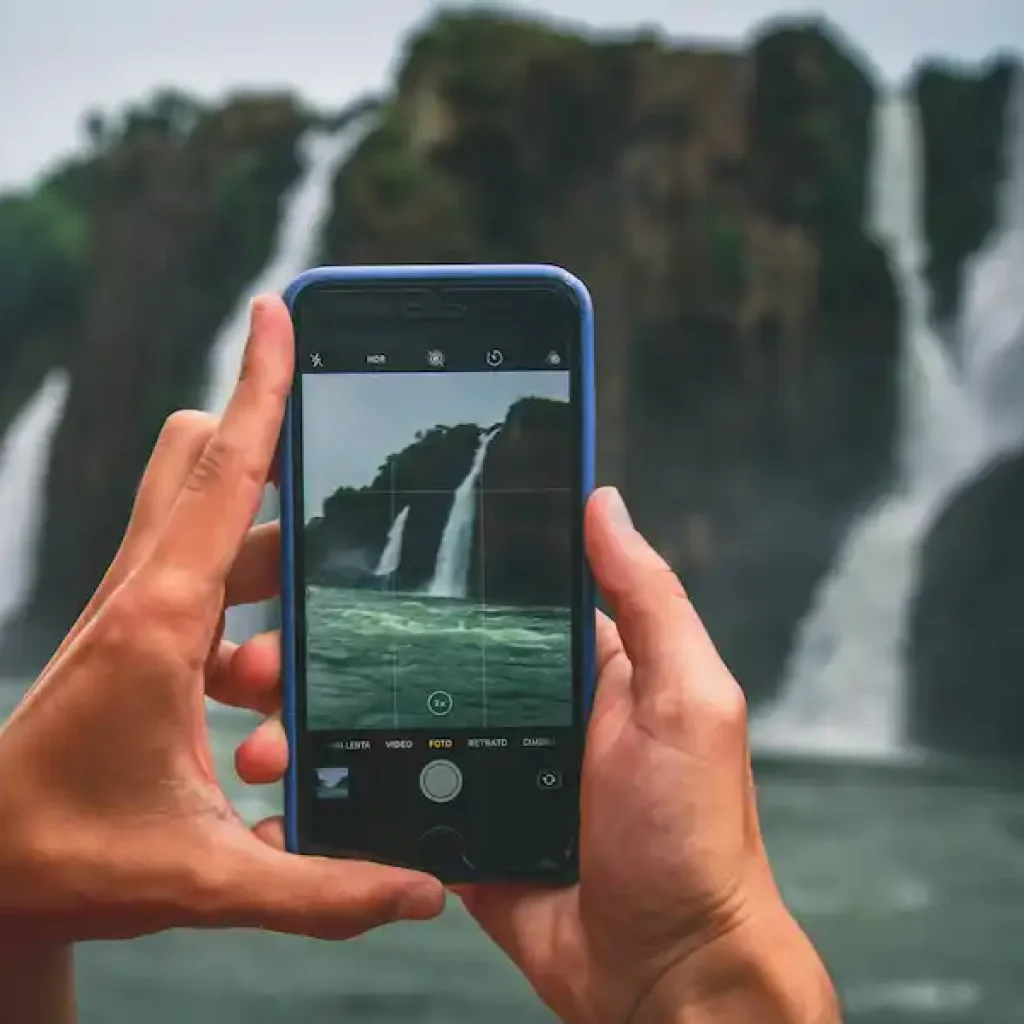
{"x": 439, "y": 583}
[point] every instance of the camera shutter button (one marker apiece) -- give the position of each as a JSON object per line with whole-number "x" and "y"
{"x": 441, "y": 781}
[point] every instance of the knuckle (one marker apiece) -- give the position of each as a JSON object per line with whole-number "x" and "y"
{"x": 119, "y": 631}
{"x": 187, "y": 424}
{"x": 671, "y": 710}
{"x": 730, "y": 705}
{"x": 723, "y": 714}
{"x": 668, "y": 587}
{"x": 225, "y": 460}
{"x": 154, "y": 618}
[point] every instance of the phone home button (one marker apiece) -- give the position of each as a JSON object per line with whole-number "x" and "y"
{"x": 441, "y": 781}
{"x": 442, "y": 851}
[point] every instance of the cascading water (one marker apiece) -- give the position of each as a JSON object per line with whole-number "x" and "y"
{"x": 305, "y": 210}
{"x": 24, "y": 460}
{"x": 391, "y": 556}
{"x": 451, "y": 572}
{"x": 991, "y": 333}
{"x": 843, "y": 689}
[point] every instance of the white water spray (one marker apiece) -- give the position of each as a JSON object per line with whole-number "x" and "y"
{"x": 305, "y": 209}
{"x": 391, "y": 556}
{"x": 991, "y": 334}
{"x": 454, "y": 555}
{"x": 24, "y": 461}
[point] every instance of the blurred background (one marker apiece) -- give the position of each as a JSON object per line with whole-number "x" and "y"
{"x": 803, "y": 228}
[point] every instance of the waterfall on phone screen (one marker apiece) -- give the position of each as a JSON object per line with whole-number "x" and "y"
{"x": 391, "y": 556}
{"x": 454, "y": 554}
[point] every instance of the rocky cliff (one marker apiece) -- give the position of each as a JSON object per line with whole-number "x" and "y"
{"x": 963, "y": 116}
{"x": 966, "y": 641}
{"x": 526, "y": 509}
{"x": 520, "y": 499}
{"x": 714, "y": 202}
{"x": 344, "y": 544}
{"x": 140, "y": 249}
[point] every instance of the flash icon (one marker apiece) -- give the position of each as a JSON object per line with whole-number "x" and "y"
{"x": 317, "y": 361}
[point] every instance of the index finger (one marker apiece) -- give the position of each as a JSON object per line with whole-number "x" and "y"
{"x": 659, "y": 628}
{"x": 222, "y": 495}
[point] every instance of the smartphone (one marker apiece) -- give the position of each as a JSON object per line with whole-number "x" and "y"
{"x": 437, "y": 611}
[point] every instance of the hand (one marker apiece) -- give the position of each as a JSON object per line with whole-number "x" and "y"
{"x": 677, "y": 916}
{"x": 113, "y": 824}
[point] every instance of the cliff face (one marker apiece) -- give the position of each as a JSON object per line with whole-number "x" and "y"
{"x": 963, "y": 116}
{"x": 713, "y": 201}
{"x": 161, "y": 228}
{"x": 520, "y": 516}
{"x": 344, "y": 546}
{"x": 526, "y": 509}
{"x": 966, "y": 641}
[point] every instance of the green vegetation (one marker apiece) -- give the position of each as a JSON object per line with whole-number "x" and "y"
{"x": 44, "y": 237}
{"x": 723, "y": 226}
{"x": 531, "y": 110}
{"x": 42, "y": 256}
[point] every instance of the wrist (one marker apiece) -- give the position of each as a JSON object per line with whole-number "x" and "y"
{"x": 766, "y": 970}
{"x": 36, "y": 981}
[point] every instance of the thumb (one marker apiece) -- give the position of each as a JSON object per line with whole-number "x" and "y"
{"x": 660, "y": 629}
{"x": 320, "y": 897}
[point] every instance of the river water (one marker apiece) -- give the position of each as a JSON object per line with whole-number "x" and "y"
{"x": 909, "y": 879}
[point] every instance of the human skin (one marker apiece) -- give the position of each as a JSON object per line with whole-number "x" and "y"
{"x": 116, "y": 826}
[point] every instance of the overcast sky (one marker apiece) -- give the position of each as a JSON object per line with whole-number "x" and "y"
{"x": 60, "y": 57}
{"x": 352, "y": 423}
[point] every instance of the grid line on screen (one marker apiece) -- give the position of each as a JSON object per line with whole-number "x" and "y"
{"x": 483, "y": 594}
{"x": 391, "y": 596}
{"x": 481, "y": 491}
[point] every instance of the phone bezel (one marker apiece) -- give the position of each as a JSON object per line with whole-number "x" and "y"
{"x": 487, "y": 274}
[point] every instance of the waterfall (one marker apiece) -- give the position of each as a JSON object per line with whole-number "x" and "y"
{"x": 991, "y": 333}
{"x": 843, "y": 688}
{"x": 451, "y": 573}
{"x": 305, "y": 209}
{"x": 24, "y": 460}
{"x": 391, "y": 556}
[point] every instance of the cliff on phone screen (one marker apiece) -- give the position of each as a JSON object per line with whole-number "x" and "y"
{"x": 438, "y": 549}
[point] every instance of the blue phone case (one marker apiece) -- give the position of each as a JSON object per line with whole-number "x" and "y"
{"x": 461, "y": 272}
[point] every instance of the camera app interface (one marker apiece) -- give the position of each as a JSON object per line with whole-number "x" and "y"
{"x": 437, "y": 548}
{"x": 440, "y": 562}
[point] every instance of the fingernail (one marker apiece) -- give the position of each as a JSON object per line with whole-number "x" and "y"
{"x": 421, "y": 902}
{"x": 618, "y": 514}
{"x": 255, "y": 310}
